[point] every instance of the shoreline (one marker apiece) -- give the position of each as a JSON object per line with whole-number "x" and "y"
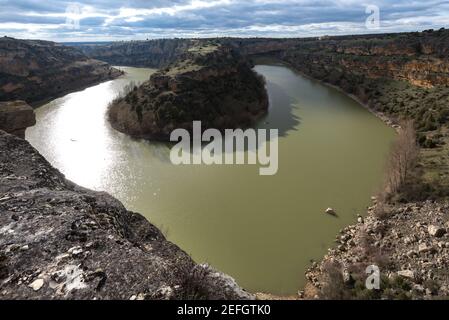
{"x": 387, "y": 120}
{"x": 43, "y": 102}
{"x": 269, "y": 296}
{"x": 308, "y": 290}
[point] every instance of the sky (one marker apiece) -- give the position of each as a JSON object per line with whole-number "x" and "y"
{"x": 106, "y": 20}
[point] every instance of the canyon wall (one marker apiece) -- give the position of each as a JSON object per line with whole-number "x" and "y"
{"x": 16, "y": 117}
{"x": 38, "y": 71}
{"x": 399, "y": 75}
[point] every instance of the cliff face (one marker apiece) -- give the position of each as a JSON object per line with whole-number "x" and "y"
{"x": 209, "y": 83}
{"x": 61, "y": 241}
{"x": 152, "y": 53}
{"x": 400, "y": 75}
{"x": 411, "y": 248}
{"x": 36, "y": 71}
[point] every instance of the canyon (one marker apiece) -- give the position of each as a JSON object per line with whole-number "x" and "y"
{"x": 394, "y": 75}
{"x": 61, "y": 241}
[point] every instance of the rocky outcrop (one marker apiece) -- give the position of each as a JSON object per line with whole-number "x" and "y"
{"x": 61, "y": 241}
{"x": 210, "y": 83}
{"x": 15, "y": 117}
{"x": 37, "y": 71}
{"x": 420, "y": 59}
{"x": 395, "y": 75}
{"x": 408, "y": 242}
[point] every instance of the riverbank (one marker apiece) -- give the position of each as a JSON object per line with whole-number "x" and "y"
{"x": 74, "y": 89}
{"x": 410, "y": 246}
{"x": 385, "y": 118}
{"x": 39, "y": 71}
{"x": 209, "y": 83}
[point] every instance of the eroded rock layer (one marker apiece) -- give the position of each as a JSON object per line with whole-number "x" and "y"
{"x": 15, "y": 117}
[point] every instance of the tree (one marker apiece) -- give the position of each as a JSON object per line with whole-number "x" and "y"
{"x": 403, "y": 156}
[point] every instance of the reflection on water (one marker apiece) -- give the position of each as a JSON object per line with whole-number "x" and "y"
{"x": 263, "y": 230}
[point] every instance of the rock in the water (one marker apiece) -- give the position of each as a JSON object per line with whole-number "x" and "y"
{"x": 435, "y": 231}
{"x": 331, "y": 211}
{"x": 15, "y": 117}
{"x": 360, "y": 219}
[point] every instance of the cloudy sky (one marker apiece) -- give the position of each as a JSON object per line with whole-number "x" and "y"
{"x": 89, "y": 20}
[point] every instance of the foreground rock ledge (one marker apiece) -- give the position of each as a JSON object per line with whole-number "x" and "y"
{"x": 16, "y": 116}
{"x": 61, "y": 241}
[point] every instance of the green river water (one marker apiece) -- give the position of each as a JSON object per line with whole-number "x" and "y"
{"x": 262, "y": 230}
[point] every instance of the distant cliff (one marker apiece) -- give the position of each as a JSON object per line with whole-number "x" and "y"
{"x": 152, "y": 54}
{"x": 210, "y": 83}
{"x": 37, "y": 71}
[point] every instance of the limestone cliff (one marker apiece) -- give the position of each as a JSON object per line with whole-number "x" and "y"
{"x": 150, "y": 53}
{"x": 61, "y": 241}
{"x": 210, "y": 83}
{"x": 15, "y": 117}
{"x": 36, "y": 71}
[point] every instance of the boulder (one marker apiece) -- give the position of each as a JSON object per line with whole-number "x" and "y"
{"x": 15, "y": 117}
{"x": 435, "y": 231}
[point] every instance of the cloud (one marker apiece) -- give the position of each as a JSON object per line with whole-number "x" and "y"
{"x": 140, "y": 19}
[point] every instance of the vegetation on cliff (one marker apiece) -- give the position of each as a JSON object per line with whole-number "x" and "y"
{"x": 403, "y": 78}
{"x": 61, "y": 241}
{"x": 209, "y": 83}
{"x": 36, "y": 71}
{"x": 152, "y": 53}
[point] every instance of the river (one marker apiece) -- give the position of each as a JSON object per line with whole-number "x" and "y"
{"x": 262, "y": 230}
